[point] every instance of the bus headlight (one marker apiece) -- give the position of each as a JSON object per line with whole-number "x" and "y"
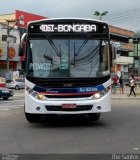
{"x": 100, "y": 94}
{"x": 35, "y": 94}
{"x": 40, "y": 96}
{"x": 97, "y": 95}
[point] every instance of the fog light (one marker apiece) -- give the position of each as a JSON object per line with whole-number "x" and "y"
{"x": 99, "y": 107}
{"x": 38, "y": 108}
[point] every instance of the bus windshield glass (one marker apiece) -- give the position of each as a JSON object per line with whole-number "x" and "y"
{"x": 67, "y": 58}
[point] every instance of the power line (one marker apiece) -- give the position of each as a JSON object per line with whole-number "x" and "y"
{"x": 127, "y": 19}
{"x": 130, "y": 17}
{"x": 123, "y": 14}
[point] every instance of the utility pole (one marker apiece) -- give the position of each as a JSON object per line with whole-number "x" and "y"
{"x": 9, "y": 28}
{"x": 138, "y": 57}
{"x": 7, "y": 61}
{"x": 136, "y": 42}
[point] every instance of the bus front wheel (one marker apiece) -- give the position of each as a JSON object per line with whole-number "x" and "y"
{"x": 33, "y": 118}
{"x": 94, "y": 116}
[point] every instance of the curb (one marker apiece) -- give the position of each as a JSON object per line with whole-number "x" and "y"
{"x": 125, "y": 98}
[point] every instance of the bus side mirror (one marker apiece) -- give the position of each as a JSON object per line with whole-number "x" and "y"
{"x": 22, "y": 45}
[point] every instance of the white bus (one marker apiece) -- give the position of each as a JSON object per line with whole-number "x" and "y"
{"x": 67, "y": 68}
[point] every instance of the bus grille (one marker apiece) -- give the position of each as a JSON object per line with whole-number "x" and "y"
{"x": 78, "y": 108}
{"x": 69, "y": 96}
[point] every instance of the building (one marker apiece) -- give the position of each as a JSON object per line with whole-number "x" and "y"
{"x": 12, "y": 26}
{"x": 120, "y": 38}
{"x": 12, "y": 44}
{"x": 135, "y": 68}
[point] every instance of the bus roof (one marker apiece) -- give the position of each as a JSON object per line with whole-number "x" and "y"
{"x": 66, "y": 18}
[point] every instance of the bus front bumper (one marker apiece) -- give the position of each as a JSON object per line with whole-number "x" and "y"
{"x": 67, "y": 106}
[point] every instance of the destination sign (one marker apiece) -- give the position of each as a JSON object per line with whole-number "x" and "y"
{"x": 68, "y": 28}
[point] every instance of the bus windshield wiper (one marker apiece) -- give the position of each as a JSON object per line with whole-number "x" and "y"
{"x": 55, "y": 48}
{"x": 80, "y": 48}
{"x": 48, "y": 58}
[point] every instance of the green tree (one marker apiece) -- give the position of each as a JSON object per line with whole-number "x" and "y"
{"x": 100, "y": 14}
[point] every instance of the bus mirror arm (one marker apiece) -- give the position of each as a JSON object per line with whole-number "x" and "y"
{"x": 22, "y": 45}
{"x": 21, "y": 51}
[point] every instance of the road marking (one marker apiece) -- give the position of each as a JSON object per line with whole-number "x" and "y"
{"x": 14, "y": 105}
{"x": 4, "y": 109}
{"x": 13, "y": 100}
{"x": 136, "y": 148}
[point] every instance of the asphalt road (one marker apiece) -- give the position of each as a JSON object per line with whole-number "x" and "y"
{"x": 116, "y": 132}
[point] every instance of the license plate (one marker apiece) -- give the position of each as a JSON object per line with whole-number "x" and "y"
{"x": 5, "y": 91}
{"x": 68, "y": 106}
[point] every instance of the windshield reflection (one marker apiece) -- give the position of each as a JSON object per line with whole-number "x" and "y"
{"x": 67, "y": 58}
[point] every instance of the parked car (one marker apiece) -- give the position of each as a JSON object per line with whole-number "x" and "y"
{"x": 15, "y": 84}
{"x": 5, "y": 93}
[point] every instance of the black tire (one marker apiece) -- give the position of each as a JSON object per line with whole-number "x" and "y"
{"x": 94, "y": 116}
{"x": 33, "y": 118}
{"x": 17, "y": 87}
{"x": 5, "y": 98}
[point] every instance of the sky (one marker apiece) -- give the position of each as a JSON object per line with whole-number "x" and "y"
{"x": 121, "y": 13}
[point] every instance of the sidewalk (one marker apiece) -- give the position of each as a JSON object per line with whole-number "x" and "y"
{"x": 118, "y": 95}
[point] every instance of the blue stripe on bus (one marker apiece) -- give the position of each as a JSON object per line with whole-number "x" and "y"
{"x": 70, "y": 90}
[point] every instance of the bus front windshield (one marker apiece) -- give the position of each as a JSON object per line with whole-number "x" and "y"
{"x": 67, "y": 58}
